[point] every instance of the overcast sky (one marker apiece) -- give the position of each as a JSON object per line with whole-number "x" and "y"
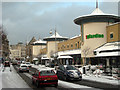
{"x": 23, "y": 20}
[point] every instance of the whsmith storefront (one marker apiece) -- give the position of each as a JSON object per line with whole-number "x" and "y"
{"x": 100, "y": 35}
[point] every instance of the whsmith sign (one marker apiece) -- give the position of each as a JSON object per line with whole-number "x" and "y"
{"x": 94, "y": 36}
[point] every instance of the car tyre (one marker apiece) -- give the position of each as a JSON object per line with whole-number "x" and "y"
{"x": 56, "y": 85}
{"x": 37, "y": 84}
{"x": 64, "y": 78}
{"x": 32, "y": 82}
{"x": 19, "y": 71}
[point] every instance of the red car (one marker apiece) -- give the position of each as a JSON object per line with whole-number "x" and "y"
{"x": 45, "y": 77}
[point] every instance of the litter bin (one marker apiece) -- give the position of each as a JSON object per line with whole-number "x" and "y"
{"x": 84, "y": 71}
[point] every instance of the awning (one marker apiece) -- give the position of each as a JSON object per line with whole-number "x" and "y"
{"x": 108, "y": 49}
{"x": 64, "y": 57}
{"x": 44, "y": 58}
{"x": 69, "y": 52}
{"x": 35, "y": 59}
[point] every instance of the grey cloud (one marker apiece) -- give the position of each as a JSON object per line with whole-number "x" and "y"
{"x": 24, "y": 20}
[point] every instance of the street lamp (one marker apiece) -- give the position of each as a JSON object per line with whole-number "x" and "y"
{"x": 55, "y": 43}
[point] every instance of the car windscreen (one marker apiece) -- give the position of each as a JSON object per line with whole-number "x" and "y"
{"x": 70, "y": 68}
{"x": 27, "y": 63}
{"x": 47, "y": 73}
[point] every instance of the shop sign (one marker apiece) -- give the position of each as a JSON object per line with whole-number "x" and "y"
{"x": 94, "y": 36}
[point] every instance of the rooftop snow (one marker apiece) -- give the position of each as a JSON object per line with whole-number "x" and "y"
{"x": 39, "y": 41}
{"x": 55, "y": 36}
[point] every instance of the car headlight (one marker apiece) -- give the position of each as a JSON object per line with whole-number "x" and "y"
{"x": 70, "y": 74}
{"x": 79, "y": 73}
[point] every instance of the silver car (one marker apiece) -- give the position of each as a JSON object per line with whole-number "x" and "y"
{"x": 23, "y": 68}
{"x": 28, "y": 64}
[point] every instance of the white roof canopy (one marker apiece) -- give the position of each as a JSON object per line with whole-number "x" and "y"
{"x": 108, "y": 49}
{"x": 64, "y": 57}
{"x": 44, "y": 58}
{"x": 69, "y": 52}
{"x": 56, "y": 36}
{"x": 35, "y": 59}
{"x": 39, "y": 41}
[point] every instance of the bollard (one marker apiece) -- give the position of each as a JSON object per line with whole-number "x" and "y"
{"x": 84, "y": 71}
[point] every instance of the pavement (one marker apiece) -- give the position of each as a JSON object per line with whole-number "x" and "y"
{"x": 96, "y": 78}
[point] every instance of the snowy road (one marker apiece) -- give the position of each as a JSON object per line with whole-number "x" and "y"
{"x": 12, "y": 79}
{"x": 61, "y": 84}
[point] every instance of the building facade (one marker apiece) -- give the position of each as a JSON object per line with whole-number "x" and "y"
{"x": 4, "y": 45}
{"x": 71, "y": 47}
{"x": 18, "y": 51}
{"x": 93, "y": 32}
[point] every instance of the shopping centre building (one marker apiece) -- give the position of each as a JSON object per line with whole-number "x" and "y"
{"x": 98, "y": 42}
{"x": 100, "y": 36}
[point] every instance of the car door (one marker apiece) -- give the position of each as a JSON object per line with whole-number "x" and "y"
{"x": 59, "y": 72}
{"x": 36, "y": 75}
{"x": 62, "y": 71}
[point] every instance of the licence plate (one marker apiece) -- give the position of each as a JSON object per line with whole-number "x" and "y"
{"x": 48, "y": 78}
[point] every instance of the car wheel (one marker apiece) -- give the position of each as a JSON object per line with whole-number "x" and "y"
{"x": 32, "y": 82}
{"x": 56, "y": 85}
{"x": 65, "y": 78}
{"x": 37, "y": 84}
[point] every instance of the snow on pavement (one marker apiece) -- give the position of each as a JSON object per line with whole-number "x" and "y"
{"x": 102, "y": 79}
{"x": 72, "y": 85}
{"x": 12, "y": 79}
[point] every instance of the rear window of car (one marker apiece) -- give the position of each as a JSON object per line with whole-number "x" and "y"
{"x": 27, "y": 63}
{"x": 70, "y": 68}
{"x": 23, "y": 66}
{"x": 6, "y": 62}
{"x": 47, "y": 73}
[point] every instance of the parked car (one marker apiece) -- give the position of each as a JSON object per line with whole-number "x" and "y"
{"x": 68, "y": 72}
{"x": 28, "y": 64}
{"x": 23, "y": 68}
{"x": 45, "y": 77}
{"x": 6, "y": 64}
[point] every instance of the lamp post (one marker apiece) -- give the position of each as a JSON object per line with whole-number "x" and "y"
{"x": 55, "y": 43}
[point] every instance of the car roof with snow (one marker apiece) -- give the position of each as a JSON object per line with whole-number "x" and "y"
{"x": 66, "y": 65}
{"x": 23, "y": 65}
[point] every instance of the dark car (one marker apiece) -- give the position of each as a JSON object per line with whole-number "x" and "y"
{"x": 45, "y": 77}
{"x": 7, "y": 64}
{"x": 68, "y": 72}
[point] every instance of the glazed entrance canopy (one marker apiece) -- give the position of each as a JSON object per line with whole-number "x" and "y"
{"x": 97, "y": 16}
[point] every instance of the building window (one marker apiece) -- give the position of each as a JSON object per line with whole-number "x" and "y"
{"x": 68, "y": 46}
{"x": 76, "y": 45}
{"x": 71, "y": 45}
{"x": 64, "y": 46}
{"x": 111, "y": 35}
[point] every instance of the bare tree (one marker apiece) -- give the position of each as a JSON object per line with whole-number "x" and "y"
{"x": 51, "y": 54}
{"x": 86, "y": 51}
